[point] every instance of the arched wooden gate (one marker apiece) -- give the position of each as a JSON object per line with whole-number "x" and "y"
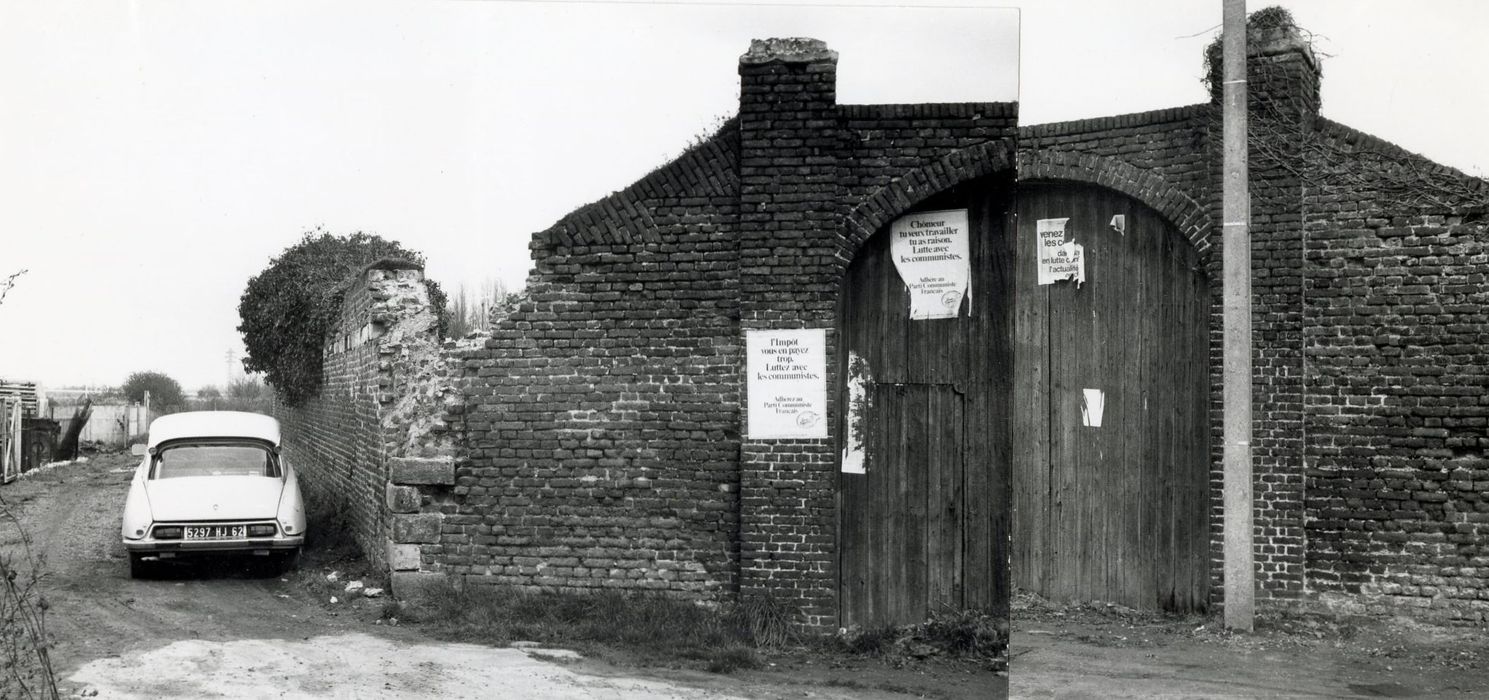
{"x": 974, "y": 426}
{"x": 1115, "y": 512}
{"x": 926, "y": 525}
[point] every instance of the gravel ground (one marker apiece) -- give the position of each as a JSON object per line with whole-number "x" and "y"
{"x": 234, "y": 628}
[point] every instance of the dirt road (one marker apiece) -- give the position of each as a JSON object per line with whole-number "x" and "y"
{"x": 231, "y": 629}
{"x": 1102, "y": 651}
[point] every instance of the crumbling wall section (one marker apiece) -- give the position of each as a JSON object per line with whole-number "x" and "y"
{"x": 379, "y": 442}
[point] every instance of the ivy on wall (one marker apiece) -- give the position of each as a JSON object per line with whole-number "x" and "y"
{"x": 289, "y": 307}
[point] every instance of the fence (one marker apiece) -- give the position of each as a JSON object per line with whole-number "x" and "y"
{"x": 10, "y": 439}
{"x": 112, "y": 425}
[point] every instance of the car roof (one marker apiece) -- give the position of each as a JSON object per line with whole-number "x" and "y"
{"x": 213, "y": 424}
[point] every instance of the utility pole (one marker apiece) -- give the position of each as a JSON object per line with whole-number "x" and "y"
{"x": 1240, "y": 573}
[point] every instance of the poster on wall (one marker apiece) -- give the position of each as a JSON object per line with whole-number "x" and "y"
{"x": 1058, "y": 259}
{"x": 787, "y": 386}
{"x": 930, "y": 253}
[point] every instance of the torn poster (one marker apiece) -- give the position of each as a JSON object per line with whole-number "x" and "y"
{"x": 1058, "y": 259}
{"x": 787, "y": 384}
{"x": 857, "y": 415}
{"x": 1093, "y": 404}
{"x": 930, "y": 253}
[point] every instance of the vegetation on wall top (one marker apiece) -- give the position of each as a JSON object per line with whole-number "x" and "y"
{"x": 288, "y": 308}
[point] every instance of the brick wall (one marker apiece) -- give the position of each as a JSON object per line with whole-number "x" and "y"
{"x": 595, "y": 439}
{"x": 604, "y": 414}
{"x": 1397, "y": 318}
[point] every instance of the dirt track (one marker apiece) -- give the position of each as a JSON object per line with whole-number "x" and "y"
{"x": 229, "y": 630}
{"x": 1104, "y": 651}
{"x": 233, "y": 629}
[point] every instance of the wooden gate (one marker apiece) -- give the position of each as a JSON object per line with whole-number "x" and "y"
{"x": 926, "y": 525}
{"x": 10, "y": 439}
{"x": 1117, "y": 512}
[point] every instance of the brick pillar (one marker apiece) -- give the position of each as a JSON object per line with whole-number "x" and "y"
{"x": 1283, "y": 89}
{"x": 789, "y": 226}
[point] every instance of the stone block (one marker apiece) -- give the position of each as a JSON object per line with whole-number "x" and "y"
{"x": 404, "y": 557}
{"x": 403, "y": 499}
{"x": 423, "y": 470}
{"x": 417, "y": 528}
{"x": 419, "y": 589}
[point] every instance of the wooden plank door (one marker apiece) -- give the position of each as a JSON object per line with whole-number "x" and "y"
{"x": 902, "y": 558}
{"x": 1114, "y": 512}
{"x": 927, "y": 524}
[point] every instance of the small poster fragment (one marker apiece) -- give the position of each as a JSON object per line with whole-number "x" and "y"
{"x": 854, "y": 433}
{"x": 787, "y": 383}
{"x": 1058, "y": 259}
{"x": 930, "y": 253}
{"x": 1093, "y": 404}
{"x": 1119, "y": 223}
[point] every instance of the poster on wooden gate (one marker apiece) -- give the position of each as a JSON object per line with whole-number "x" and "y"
{"x": 930, "y": 253}
{"x": 1059, "y": 259}
{"x": 786, "y": 391}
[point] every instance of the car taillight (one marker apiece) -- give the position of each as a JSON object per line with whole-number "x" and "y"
{"x": 167, "y": 533}
{"x": 260, "y": 530}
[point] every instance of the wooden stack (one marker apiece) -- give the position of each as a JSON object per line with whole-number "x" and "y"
{"x": 26, "y": 392}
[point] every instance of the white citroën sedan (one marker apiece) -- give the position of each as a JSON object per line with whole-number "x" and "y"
{"x": 212, "y": 482}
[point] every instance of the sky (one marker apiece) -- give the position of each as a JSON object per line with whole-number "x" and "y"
{"x": 154, "y": 155}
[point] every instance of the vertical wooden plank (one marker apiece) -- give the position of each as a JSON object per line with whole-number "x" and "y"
{"x": 1150, "y": 431}
{"x": 921, "y": 455}
{"x": 992, "y": 479}
{"x": 1067, "y": 516}
{"x": 940, "y": 510}
{"x": 1032, "y": 546}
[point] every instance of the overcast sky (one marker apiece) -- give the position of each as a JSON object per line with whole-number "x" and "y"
{"x": 155, "y": 155}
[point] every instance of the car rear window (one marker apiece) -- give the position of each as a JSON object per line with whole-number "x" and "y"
{"x": 214, "y": 459}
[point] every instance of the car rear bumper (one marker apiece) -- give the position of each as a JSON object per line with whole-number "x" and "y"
{"x": 253, "y": 544}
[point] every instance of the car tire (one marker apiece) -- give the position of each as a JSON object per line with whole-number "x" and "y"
{"x": 287, "y": 561}
{"x": 138, "y": 567}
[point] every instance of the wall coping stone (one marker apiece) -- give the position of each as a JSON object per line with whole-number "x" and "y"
{"x": 788, "y": 50}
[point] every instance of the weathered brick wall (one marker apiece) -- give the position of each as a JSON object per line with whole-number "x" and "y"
{"x": 333, "y": 440}
{"x": 595, "y": 439}
{"x": 388, "y": 394}
{"x": 1397, "y": 318}
{"x": 604, "y": 415}
{"x": 603, "y": 412}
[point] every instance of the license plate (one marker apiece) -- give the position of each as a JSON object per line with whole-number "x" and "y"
{"x": 217, "y": 532}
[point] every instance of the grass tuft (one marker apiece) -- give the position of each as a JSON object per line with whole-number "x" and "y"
{"x": 651, "y": 626}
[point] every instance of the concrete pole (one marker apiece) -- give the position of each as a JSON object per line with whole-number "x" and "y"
{"x": 1240, "y": 574}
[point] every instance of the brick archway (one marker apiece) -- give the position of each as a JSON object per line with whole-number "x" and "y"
{"x": 1146, "y": 186}
{"x": 916, "y": 185}
{"x": 989, "y": 157}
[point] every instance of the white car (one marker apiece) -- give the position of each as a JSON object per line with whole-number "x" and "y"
{"x": 212, "y": 482}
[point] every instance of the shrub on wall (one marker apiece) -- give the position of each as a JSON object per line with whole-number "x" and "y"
{"x": 288, "y": 309}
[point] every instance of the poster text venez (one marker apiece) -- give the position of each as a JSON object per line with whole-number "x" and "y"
{"x": 787, "y": 384}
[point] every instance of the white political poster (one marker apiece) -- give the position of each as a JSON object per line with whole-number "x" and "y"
{"x": 1058, "y": 259}
{"x": 787, "y": 385}
{"x": 930, "y": 253}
